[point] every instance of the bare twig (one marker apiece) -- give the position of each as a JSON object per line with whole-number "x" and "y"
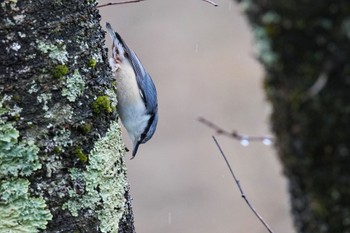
{"x": 211, "y": 2}
{"x": 118, "y": 3}
{"x": 244, "y": 139}
{"x": 135, "y": 1}
{"x": 240, "y": 188}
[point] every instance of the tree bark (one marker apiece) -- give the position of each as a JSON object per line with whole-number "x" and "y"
{"x": 61, "y": 152}
{"x": 304, "y": 47}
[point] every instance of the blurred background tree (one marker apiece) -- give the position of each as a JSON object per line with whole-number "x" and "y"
{"x": 304, "y": 47}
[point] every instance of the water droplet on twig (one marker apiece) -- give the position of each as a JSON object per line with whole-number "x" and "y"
{"x": 244, "y": 142}
{"x": 267, "y": 141}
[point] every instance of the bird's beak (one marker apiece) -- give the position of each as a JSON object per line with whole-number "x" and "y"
{"x": 134, "y": 151}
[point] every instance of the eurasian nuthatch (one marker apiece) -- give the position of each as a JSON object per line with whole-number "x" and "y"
{"x": 136, "y": 94}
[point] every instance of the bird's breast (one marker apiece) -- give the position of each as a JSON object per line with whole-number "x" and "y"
{"x": 131, "y": 107}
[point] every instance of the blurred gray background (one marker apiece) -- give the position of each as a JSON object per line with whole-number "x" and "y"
{"x": 201, "y": 59}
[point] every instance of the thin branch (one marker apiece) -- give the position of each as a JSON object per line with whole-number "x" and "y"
{"x": 244, "y": 139}
{"x": 210, "y": 2}
{"x": 240, "y": 188}
{"x": 135, "y": 1}
{"x": 118, "y": 3}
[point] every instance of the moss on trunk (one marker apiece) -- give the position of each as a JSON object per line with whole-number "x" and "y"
{"x": 59, "y": 159}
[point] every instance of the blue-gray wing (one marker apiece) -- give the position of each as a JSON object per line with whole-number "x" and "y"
{"x": 148, "y": 93}
{"x": 145, "y": 83}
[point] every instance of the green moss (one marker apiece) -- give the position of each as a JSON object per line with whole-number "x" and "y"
{"x": 57, "y": 150}
{"x": 272, "y": 30}
{"x": 74, "y": 86}
{"x": 59, "y": 71}
{"x": 80, "y": 154}
{"x": 86, "y": 128}
{"x": 318, "y": 205}
{"x": 16, "y": 117}
{"x": 102, "y": 104}
{"x": 92, "y": 63}
{"x": 105, "y": 181}
{"x": 16, "y": 98}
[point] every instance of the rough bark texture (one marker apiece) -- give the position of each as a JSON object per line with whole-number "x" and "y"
{"x": 61, "y": 153}
{"x": 304, "y": 46}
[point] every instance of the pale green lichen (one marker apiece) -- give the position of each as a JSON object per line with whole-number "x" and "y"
{"x": 112, "y": 97}
{"x": 14, "y": 111}
{"x": 33, "y": 88}
{"x": 56, "y": 52}
{"x": 52, "y": 163}
{"x": 4, "y": 109}
{"x": 105, "y": 181}
{"x": 59, "y": 143}
{"x": 53, "y": 187}
{"x": 74, "y": 86}
{"x": 62, "y": 139}
{"x": 11, "y": 3}
{"x": 270, "y": 17}
{"x": 245, "y": 5}
{"x": 92, "y": 1}
{"x": 60, "y": 114}
{"x": 97, "y": 57}
{"x": 19, "y": 19}
{"x": 263, "y": 46}
{"x": 345, "y": 26}
{"x": 16, "y": 157}
{"x": 44, "y": 98}
{"x": 15, "y": 46}
{"x": 18, "y": 211}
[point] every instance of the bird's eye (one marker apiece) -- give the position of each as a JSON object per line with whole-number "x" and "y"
{"x": 126, "y": 55}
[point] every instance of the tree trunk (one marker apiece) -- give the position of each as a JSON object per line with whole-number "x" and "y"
{"x": 304, "y": 47}
{"x": 61, "y": 152}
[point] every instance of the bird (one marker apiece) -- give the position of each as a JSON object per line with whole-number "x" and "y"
{"x": 137, "y": 102}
